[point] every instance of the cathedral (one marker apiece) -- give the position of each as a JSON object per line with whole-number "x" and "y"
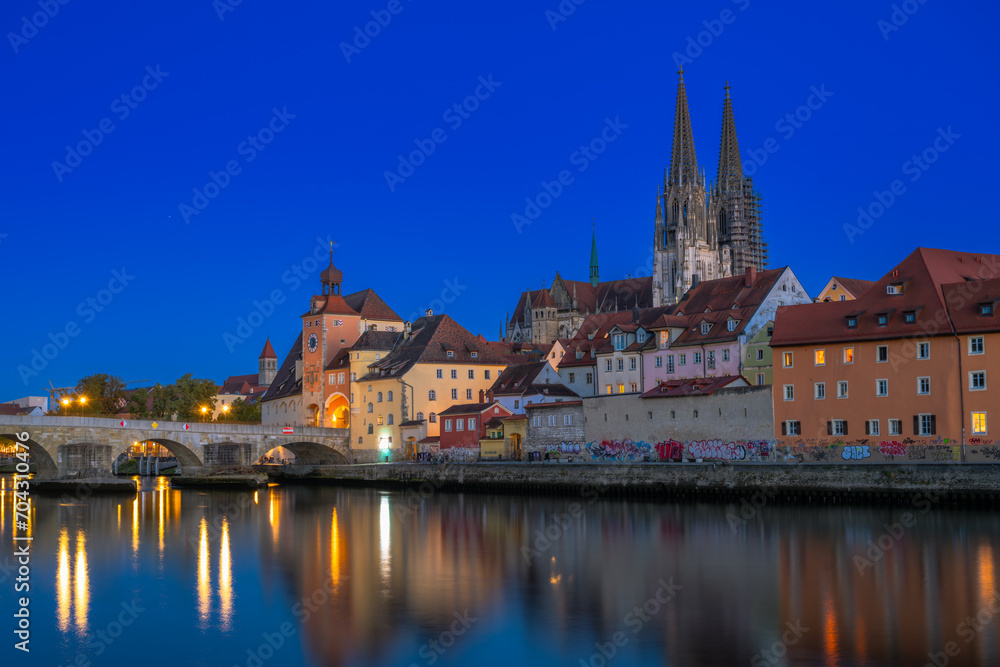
{"x": 704, "y": 231}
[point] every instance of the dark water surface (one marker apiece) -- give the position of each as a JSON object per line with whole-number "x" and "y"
{"x": 207, "y": 578}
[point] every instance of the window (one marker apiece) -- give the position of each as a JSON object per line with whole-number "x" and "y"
{"x": 380, "y": 420}
{"x": 475, "y": 355}
{"x": 379, "y": 399}
{"x": 608, "y": 365}
{"x": 590, "y": 378}
{"x": 472, "y": 374}
{"x": 909, "y": 317}
{"x": 895, "y": 427}
{"x": 842, "y": 389}
{"x": 330, "y": 379}
{"x": 608, "y": 390}
{"x": 378, "y": 357}
{"x": 371, "y": 429}
{"x": 923, "y": 385}
{"x": 459, "y": 424}
{"x": 621, "y": 364}
{"x": 725, "y": 355}
{"x": 843, "y": 297}
{"x": 682, "y": 360}
{"x": 486, "y": 375}
{"x": 552, "y": 420}
{"x": 536, "y": 421}
{"x": 786, "y": 359}
{"x": 986, "y": 309}
{"x": 791, "y": 428}
{"x": 711, "y": 358}
{"x": 354, "y": 377}
{"x": 340, "y": 378}
{"x": 894, "y": 290}
{"x": 432, "y": 395}
{"x": 882, "y": 387}
{"x": 631, "y": 363}
{"x": 572, "y": 378}
{"x": 420, "y": 416}
{"x": 433, "y": 418}
{"x": 882, "y": 319}
{"x": 923, "y": 350}
{"x": 371, "y": 408}
{"x": 819, "y": 391}
{"x": 760, "y": 354}
{"x": 695, "y": 414}
{"x": 664, "y": 339}
{"x": 440, "y": 374}
{"x": 820, "y": 357}
{"x": 697, "y": 357}
{"x": 871, "y": 427}
{"x": 454, "y": 374}
{"x": 659, "y": 362}
{"x": 619, "y": 341}
{"x": 621, "y": 388}
{"x": 472, "y": 423}
{"x": 789, "y": 392}
{"x": 705, "y": 327}
{"x": 977, "y": 380}
{"x": 976, "y": 345}
{"x": 451, "y": 353}
{"x": 447, "y": 425}
{"x": 760, "y": 379}
{"x": 731, "y": 325}
{"x": 925, "y": 424}
{"x": 454, "y": 394}
{"x": 882, "y": 354}
{"x": 673, "y": 415}
{"x": 634, "y": 388}
{"x": 838, "y": 427}
{"x": 517, "y": 404}
{"x": 468, "y": 394}
{"x": 848, "y": 355}
{"x": 670, "y": 364}
{"x": 852, "y": 323}
{"x": 567, "y": 420}
{"x": 978, "y": 423}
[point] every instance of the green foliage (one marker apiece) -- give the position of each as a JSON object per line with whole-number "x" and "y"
{"x": 184, "y": 399}
{"x": 105, "y": 394}
{"x": 136, "y": 404}
{"x": 241, "y": 411}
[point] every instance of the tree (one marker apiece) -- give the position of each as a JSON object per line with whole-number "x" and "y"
{"x": 136, "y": 403}
{"x": 161, "y": 400}
{"x": 105, "y": 394}
{"x": 190, "y": 394}
{"x": 241, "y": 411}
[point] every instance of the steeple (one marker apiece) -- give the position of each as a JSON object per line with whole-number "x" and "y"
{"x": 730, "y": 167}
{"x": 683, "y": 163}
{"x": 595, "y": 276}
{"x": 267, "y": 365}
{"x": 659, "y": 207}
{"x": 331, "y": 276}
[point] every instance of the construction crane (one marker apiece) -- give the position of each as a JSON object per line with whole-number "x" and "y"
{"x": 53, "y": 390}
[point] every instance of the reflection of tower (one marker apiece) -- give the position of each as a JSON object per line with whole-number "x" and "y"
{"x": 267, "y": 365}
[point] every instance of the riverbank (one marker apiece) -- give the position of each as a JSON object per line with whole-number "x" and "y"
{"x": 972, "y": 484}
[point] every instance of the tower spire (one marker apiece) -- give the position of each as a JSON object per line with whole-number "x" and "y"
{"x": 595, "y": 276}
{"x": 683, "y": 163}
{"x": 730, "y": 175}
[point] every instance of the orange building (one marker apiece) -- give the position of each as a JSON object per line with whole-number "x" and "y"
{"x": 844, "y": 289}
{"x": 907, "y": 360}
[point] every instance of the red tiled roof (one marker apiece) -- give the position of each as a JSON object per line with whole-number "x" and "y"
{"x": 608, "y": 296}
{"x": 268, "y": 351}
{"x": 559, "y": 404}
{"x": 724, "y": 293}
{"x": 472, "y": 409}
{"x": 922, "y": 275}
{"x": 964, "y": 305}
{"x": 516, "y": 379}
{"x": 693, "y": 386}
{"x": 854, "y": 286}
{"x": 371, "y": 306}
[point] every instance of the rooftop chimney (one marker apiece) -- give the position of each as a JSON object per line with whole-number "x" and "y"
{"x": 489, "y": 396}
{"x": 750, "y": 276}
{"x": 482, "y": 396}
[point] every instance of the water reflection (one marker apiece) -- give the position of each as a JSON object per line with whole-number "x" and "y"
{"x": 225, "y": 579}
{"x": 82, "y": 584}
{"x": 204, "y": 577}
{"x": 63, "y": 584}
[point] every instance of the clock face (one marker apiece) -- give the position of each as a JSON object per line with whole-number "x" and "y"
{"x": 313, "y": 342}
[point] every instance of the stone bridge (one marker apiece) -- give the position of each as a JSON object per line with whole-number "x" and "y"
{"x": 64, "y": 445}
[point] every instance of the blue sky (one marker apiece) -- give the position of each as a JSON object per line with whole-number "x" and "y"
{"x": 308, "y": 122}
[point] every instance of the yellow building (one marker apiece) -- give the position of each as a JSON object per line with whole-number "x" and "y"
{"x": 436, "y": 364}
{"x": 844, "y": 289}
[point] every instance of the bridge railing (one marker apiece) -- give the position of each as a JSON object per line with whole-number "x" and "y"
{"x": 163, "y": 425}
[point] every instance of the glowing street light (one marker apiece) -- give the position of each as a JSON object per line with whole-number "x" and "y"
{"x": 225, "y": 411}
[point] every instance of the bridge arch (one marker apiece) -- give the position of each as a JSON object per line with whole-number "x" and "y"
{"x": 312, "y": 453}
{"x": 45, "y": 465}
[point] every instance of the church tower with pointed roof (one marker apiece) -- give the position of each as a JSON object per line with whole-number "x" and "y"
{"x": 267, "y": 365}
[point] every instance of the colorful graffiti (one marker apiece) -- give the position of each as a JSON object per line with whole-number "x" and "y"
{"x": 892, "y": 448}
{"x": 619, "y": 450}
{"x": 670, "y": 450}
{"x": 717, "y": 450}
{"x": 556, "y": 450}
{"x": 856, "y": 452}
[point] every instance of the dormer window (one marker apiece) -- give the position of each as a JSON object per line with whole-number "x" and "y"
{"x": 882, "y": 319}
{"x": 451, "y": 354}
{"x": 852, "y": 322}
{"x": 894, "y": 290}
{"x": 986, "y": 309}
{"x": 590, "y": 336}
{"x": 619, "y": 341}
{"x": 579, "y": 354}
{"x": 909, "y": 317}
{"x": 731, "y": 325}
{"x": 705, "y": 327}
{"x": 475, "y": 355}
{"x": 641, "y": 337}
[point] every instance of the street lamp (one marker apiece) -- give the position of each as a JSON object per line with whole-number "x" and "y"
{"x": 225, "y": 411}
{"x": 203, "y": 411}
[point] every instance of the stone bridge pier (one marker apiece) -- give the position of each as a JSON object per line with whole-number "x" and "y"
{"x": 61, "y": 446}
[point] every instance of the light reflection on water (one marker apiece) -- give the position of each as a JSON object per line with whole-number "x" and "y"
{"x": 379, "y": 584}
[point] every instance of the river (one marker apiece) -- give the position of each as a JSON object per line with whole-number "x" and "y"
{"x": 303, "y": 575}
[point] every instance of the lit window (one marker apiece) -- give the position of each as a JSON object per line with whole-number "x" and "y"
{"x": 895, "y": 427}
{"x": 848, "y": 355}
{"x": 621, "y": 388}
{"x": 819, "y": 390}
{"x": 608, "y": 390}
{"x": 380, "y": 420}
{"x": 789, "y": 392}
{"x": 786, "y": 360}
{"x": 976, "y": 345}
{"x": 842, "y": 389}
{"x": 978, "y": 423}
{"x": 881, "y": 388}
{"x": 923, "y": 385}
{"x": 977, "y": 380}
{"x": 821, "y": 357}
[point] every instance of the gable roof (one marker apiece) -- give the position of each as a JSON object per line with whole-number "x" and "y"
{"x": 743, "y": 291}
{"x": 608, "y": 296}
{"x": 284, "y": 383}
{"x": 694, "y": 386}
{"x": 854, "y": 286}
{"x": 516, "y": 380}
{"x": 370, "y": 306}
{"x": 268, "y": 351}
{"x": 473, "y": 409}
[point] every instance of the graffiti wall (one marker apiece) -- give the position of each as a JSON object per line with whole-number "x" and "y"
{"x": 785, "y": 451}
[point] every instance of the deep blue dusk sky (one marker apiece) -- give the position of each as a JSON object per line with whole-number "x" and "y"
{"x": 450, "y": 221}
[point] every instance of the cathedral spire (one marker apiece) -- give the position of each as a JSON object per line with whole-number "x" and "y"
{"x": 595, "y": 276}
{"x": 659, "y": 206}
{"x": 730, "y": 167}
{"x": 683, "y": 164}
